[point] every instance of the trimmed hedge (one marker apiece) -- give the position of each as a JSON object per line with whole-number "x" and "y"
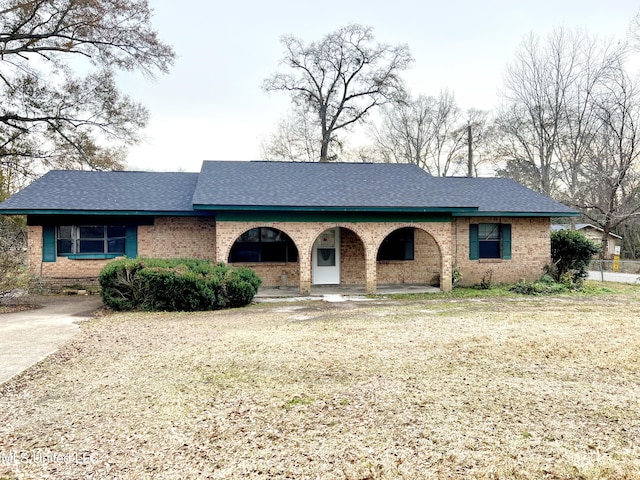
{"x": 175, "y": 285}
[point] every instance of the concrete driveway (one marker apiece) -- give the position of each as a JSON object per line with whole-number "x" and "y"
{"x": 30, "y": 336}
{"x": 614, "y": 277}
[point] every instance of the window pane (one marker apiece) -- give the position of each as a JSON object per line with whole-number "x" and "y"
{"x": 65, "y": 246}
{"x": 327, "y": 239}
{"x": 488, "y": 231}
{"x": 252, "y": 235}
{"x": 245, "y": 252}
{"x": 489, "y": 249}
{"x": 94, "y": 231}
{"x": 90, "y": 246}
{"x": 292, "y": 252}
{"x": 326, "y": 257}
{"x": 116, "y": 231}
{"x": 397, "y": 246}
{"x": 115, "y": 245}
{"x": 65, "y": 231}
{"x": 274, "y": 252}
{"x": 270, "y": 235}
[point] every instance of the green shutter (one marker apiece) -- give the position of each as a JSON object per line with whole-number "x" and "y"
{"x": 48, "y": 244}
{"x": 474, "y": 244}
{"x": 131, "y": 241}
{"x": 505, "y": 237}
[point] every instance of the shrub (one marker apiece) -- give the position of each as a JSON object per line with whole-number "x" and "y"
{"x": 545, "y": 286}
{"x": 175, "y": 285}
{"x": 487, "y": 280}
{"x": 571, "y": 252}
{"x": 241, "y": 286}
{"x": 456, "y": 275}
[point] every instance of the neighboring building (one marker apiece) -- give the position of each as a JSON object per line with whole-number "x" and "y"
{"x": 295, "y": 223}
{"x": 594, "y": 234}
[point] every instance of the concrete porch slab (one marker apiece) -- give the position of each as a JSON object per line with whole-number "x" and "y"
{"x": 333, "y": 292}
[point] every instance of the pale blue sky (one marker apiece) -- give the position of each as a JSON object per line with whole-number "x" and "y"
{"x": 211, "y": 106}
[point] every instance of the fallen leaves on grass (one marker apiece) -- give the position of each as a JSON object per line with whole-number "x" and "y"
{"x": 430, "y": 389}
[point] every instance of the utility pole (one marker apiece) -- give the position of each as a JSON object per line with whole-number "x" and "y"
{"x": 470, "y": 154}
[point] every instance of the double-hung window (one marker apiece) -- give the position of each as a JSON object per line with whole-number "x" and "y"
{"x": 490, "y": 241}
{"x": 91, "y": 239}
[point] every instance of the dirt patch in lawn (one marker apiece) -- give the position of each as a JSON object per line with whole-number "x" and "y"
{"x": 534, "y": 388}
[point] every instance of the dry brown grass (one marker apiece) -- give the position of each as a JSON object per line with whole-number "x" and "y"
{"x": 493, "y": 388}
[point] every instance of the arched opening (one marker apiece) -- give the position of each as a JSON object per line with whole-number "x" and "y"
{"x": 408, "y": 255}
{"x": 271, "y": 253}
{"x": 338, "y": 258}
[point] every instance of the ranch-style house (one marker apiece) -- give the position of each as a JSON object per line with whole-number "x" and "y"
{"x": 295, "y": 224}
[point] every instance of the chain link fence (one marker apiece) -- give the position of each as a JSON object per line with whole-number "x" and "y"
{"x": 619, "y": 266}
{"x": 624, "y": 271}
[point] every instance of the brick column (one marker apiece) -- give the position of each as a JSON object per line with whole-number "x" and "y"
{"x": 34, "y": 249}
{"x": 446, "y": 271}
{"x": 305, "y": 270}
{"x": 446, "y": 260}
{"x": 371, "y": 284}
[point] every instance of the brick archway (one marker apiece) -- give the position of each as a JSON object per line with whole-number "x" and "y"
{"x": 425, "y": 266}
{"x": 370, "y": 234}
{"x": 273, "y": 274}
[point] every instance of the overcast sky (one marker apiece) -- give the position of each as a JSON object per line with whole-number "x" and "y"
{"x": 211, "y": 106}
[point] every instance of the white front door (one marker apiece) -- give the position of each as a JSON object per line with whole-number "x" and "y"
{"x": 326, "y": 258}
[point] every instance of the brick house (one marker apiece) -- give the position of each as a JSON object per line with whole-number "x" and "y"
{"x": 299, "y": 224}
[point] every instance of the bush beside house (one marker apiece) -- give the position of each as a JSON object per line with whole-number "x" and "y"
{"x": 175, "y": 285}
{"x": 571, "y": 253}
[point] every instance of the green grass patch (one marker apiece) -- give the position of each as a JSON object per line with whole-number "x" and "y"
{"x": 589, "y": 289}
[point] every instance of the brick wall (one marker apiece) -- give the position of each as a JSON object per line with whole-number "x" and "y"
{"x": 438, "y": 245}
{"x": 276, "y": 274}
{"x": 425, "y": 267}
{"x": 178, "y": 237}
{"x": 174, "y": 237}
{"x": 530, "y": 251}
{"x": 63, "y": 271}
{"x": 352, "y": 265}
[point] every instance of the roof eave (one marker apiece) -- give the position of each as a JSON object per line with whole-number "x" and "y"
{"x": 155, "y": 213}
{"x": 517, "y": 214}
{"x": 308, "y": 208}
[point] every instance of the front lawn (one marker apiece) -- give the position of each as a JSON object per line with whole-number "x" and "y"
{"x": 440, "y": 387}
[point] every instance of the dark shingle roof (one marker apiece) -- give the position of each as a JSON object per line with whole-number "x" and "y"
{"x": 65, "y": 190}
{"x": 277, "y": 185}
{"x": 353, "y": 185}
{"x": 500, "y": 195}
{"x": 287, "y": 184}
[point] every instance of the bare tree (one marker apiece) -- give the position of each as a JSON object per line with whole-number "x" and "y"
{"x": 448, "y": 139}
{"x": 341, "y": 78}
{"x": 295, "y": 138}
{"x": 404, "y": 135}
{"x": 550, "y": 118}
{"x": 569, "y": 127}
{"x": 478, "y": 141}
{"x": 613, "y": 166}
{"x": 59, "y": 103}
{"x": 536, "y": 86}
{"x": 425, "y": 131}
